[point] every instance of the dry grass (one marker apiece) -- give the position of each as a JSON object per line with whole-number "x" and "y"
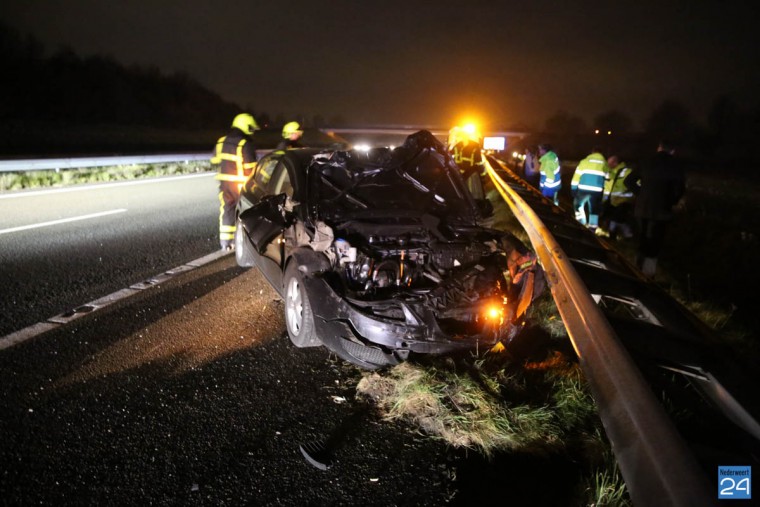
{"x": 605, "y": 487}
{"x": 493, "y": 406}
{"x": 459, "y": 409}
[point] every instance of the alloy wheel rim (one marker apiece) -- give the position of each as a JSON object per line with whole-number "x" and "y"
{"x": 238, "y": 239}
{"x": 294, "y": 306}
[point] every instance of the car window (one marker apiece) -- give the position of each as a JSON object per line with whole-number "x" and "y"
{"x": 263, "y": 175}
{"x": 281, "y": 181}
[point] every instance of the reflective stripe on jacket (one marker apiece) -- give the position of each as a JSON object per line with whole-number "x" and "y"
{"x": 549, "y": 167}
{"x": 468, "y": 154}
{"x": 591, "y": 174}
{"x": 236, "y": 155}
{"x": 615, "y": 190}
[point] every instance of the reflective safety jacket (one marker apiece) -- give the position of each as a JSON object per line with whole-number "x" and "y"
{"x": 550, "y": 171}
{"x": 237, "y": 156}
{"x": 614, "y": 189}
{"x": 468, "y": 157}
{"x": 590, "y": 175}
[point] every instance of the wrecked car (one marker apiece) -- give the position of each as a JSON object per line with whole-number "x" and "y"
{"x": 380, "y": 254}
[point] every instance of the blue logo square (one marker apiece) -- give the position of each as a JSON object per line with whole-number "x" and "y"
{"x": 734, "y": 482}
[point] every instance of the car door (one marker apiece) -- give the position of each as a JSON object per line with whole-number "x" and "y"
{"x": 266, "y": 220}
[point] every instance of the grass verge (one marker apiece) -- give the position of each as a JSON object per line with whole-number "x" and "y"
{"x": 11, "y": 181}
{"x": 496, "y": 404}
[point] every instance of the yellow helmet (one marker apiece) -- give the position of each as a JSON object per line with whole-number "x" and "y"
{"x": 291, "y": 128}
{"x": 455, "y": 135}
{"x": 246, "y": 123}
{"x": 471, "y": 133}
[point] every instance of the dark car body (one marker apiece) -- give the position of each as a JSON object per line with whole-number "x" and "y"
{"x": 378, "y": 254}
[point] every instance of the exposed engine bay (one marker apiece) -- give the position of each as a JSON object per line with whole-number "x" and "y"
{"x": 465, "y": 284}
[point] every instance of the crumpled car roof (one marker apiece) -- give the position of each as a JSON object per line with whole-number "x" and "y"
{"x": 416, "y": 178}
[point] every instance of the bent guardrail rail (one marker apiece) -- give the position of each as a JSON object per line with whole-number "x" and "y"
{"x": 655, "y": 462}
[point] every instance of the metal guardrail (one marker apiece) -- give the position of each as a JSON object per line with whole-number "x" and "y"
{"x": 656, "y": 464}
{"x": 37, "y": 164}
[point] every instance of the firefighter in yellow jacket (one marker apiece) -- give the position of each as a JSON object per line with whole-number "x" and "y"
{"x": 465, "y": 148}
{"x": 237, "y": 156}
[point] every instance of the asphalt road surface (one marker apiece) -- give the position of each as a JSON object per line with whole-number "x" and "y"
{"x": 190, "y": 393}
{"x": 60, "y": 248}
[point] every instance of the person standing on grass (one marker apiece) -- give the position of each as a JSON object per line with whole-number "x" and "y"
{"x": 549, "y": 170}
{"x": 587, "y": 188}
{"x": 659, "y": 185}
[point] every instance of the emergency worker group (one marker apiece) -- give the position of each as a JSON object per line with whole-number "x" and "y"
{"x": 612, "y": 199}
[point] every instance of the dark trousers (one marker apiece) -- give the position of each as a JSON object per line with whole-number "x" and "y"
{"x": 652, "y": 237}
{"x": 591, "y": 202}
{"x": 533, "y": 179}
{"x": 621, "y": 213}
{"x": 228, "y": 199}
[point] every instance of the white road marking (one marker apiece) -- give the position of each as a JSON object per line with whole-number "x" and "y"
{"x": 62, "y": 221}
{"x": 56, "y": 321}
{"x": 103, "y": 185}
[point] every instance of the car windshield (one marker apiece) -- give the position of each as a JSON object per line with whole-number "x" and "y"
{"x": 411, "y": 180}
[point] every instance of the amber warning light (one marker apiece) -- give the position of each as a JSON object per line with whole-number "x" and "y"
{"x": 494, "y": 143}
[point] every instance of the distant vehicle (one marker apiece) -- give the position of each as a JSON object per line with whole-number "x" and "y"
{"x": 377, "y": 254}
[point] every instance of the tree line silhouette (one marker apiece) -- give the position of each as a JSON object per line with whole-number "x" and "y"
{"x": 724, "y": 141}
{"x": 98, "y": 90}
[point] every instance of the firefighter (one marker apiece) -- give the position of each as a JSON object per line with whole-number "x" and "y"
{"x": 550, "y": 181}
{"x": 587, "y": 188}
{"x": 465, "y": 147}
{"x": 618, "y": 200}
{"x": 291, "y": 135}
{"x": 237, "y": 156}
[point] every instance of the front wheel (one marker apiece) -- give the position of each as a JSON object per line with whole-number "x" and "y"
{"x": 298, "y": 316}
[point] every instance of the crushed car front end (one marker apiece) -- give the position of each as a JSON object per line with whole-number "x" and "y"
{"x": 394, "y": 260}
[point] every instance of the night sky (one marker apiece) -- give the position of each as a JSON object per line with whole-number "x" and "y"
{"x": 425, "y": 62}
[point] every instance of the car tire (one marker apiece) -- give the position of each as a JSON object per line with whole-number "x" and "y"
{"x": 298, "y": 316}
{"x": 243, "y": 253}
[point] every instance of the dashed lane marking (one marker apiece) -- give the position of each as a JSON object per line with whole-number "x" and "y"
{"x": 60, "y": 190}
{"x": 93, "y": 306}
{"x": 62, "y": 221}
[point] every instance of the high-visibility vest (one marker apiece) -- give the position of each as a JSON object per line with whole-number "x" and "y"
{"x": 550, "y": 170}
{"x": 615, "y": 190}
{"x": 591, "y": 174}
{"x": 468, "y": 155}
{"x": 236, "y": 155}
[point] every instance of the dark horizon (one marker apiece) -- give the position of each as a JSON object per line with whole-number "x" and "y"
{"x": 400, "y": 63}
